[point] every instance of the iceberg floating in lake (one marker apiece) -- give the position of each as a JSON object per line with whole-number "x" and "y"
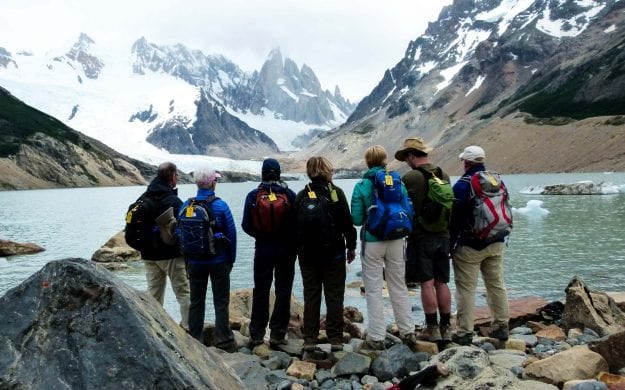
{"x": 579, "y": 188}
{"x": 533, "y": 208}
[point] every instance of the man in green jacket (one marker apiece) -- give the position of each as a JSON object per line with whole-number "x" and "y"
{"x": 427, "y": 252}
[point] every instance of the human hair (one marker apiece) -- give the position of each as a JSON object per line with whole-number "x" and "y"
{"x": 319, "y": 167}
{"x": 205, "y": 177}
{"x": 166, "y": 171}
{"x": 375, "y": 156}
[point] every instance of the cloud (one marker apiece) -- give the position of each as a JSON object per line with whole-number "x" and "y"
{"x": 346, "y": 42}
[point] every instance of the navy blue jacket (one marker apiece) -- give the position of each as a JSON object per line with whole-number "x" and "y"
{"x": 225, "y": 224}
{"x": 462, "y": 213}
{"x": 279, "y": 244}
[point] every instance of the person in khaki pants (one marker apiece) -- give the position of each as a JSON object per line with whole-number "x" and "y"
{"x": 472, "y": 255}
{"x": 167, "y": 262}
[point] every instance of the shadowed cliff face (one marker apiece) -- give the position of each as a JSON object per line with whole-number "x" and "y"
{"x": 75, "y": 325}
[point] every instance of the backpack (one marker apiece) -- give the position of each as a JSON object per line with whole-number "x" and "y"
{"x": 197, "y": 230}
{"x": 492, "y": 214}
{"x": 270, "y": 211}
{"x": 316, "y": 228}
{"x": 435, "y": 213}
{"x": 141, "y": 232}
{"x": 387, "y": 218}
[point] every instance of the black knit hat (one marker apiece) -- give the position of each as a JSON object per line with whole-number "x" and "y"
{"x": 271, "y": 169}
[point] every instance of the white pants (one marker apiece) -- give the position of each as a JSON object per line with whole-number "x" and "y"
{"x": 387, "y": 256}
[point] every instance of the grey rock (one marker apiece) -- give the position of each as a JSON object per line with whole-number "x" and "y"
{"x": 521, "y": 330}
{"x": 397, "y": 361}
{"x": 368, "y": 379}
{"x": 323, "y": 375}
{"x": 590, "y": 385}
{"x": 488, "y": 347}
{"x": 352, "y": 363}
{"x": 507, "y": 360}
{"x": 530, "y": 339}
{"x": 277, "y": 360}
{"x": 517, "y": 371}
{"x": 77, "y": 326}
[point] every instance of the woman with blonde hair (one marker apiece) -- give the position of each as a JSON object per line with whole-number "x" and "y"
{"x": 381, "y": 258}
{"x": 324, "y": 232}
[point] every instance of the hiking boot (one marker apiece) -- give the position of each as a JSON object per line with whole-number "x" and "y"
{"x": 255, "y": 342}
{"x": 465, "y": 339}
{"x": 230, "y": 348}
{"x": 376, "y": 345}
{"x": 336, "y": 347}
{"x": 410, "y": 339}
{"x": 445, "y": 332}
{"x": 276, "y": 343}
{"x": 431, "y": 333}
{"x": 308, "y": 347}
{"x": 500, "y": 332}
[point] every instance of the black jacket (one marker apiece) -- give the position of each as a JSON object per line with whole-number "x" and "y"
{"x": 166, "y": 197}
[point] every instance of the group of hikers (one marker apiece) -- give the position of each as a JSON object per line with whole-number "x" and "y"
{"x": 413, "y": 228}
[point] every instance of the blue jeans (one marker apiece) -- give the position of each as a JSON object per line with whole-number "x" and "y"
{"x": 220, "y": 284}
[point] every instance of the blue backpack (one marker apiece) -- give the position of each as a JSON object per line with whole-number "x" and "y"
{"x": 196, "y": 230}
{"x": 388, "y": 218}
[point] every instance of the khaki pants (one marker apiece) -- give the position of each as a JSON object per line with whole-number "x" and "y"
{"x": 468, "y": 263}
{"x": 156, "y": 273}
{"x": 387, "y": 256}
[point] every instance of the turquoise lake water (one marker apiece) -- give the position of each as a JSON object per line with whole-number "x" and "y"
{"x": 581, "y": 235}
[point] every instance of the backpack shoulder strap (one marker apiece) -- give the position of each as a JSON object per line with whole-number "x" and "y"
{"x": 426, "y": 173}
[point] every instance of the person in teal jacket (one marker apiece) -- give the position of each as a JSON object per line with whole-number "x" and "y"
{"x": 381, "y": 259}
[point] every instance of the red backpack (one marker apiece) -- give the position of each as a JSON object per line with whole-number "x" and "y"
{"x": 270, "y": 211}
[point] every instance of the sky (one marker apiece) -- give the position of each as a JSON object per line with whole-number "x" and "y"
{"x": 349, "y": 43}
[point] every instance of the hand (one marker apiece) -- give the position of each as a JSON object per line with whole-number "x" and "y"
{"x": 351, "y": 255}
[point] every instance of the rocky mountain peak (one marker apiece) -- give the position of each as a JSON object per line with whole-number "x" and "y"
{"x": 81, "y": 52}
{"x": 6, "y": 58}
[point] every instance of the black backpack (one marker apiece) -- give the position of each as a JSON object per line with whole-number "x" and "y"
{"x": 141, "y": 232}
{"x": 316, "y": 228}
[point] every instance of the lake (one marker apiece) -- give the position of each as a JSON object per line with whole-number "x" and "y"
{"x": 581, "y": 235}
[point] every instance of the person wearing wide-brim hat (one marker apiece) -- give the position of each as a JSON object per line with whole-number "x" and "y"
{"x": 427, "y": 252}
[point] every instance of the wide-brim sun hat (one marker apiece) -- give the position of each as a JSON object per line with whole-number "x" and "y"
{"x": 416, "y": 144}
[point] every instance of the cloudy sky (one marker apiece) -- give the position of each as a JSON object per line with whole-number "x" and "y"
{"x": 346, "y": 42}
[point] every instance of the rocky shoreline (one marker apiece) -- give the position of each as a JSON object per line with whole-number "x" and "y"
{"x": 74, "y": 323}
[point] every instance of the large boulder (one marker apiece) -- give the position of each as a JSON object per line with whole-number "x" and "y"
{"x": 576, "y": 363}
{"x": 612, "y": 348}
{"x": 73, "y": 325}
{"x": 592, "y": 309}
{"x": 10, "y": 248}
{"x": 116, "y": 250}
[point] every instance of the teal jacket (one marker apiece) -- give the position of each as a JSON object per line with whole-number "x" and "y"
{"x": 362, "y": 198}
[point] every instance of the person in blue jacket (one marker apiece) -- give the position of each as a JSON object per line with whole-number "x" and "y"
{"x": 217, "y": 268}
{"x": 270, "y": 220}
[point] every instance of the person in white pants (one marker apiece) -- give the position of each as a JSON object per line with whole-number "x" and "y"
{"x": 381, "y": 259}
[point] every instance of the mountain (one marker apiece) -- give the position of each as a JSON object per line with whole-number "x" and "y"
{"x": 538, "y": 83}
{"x": 39, "y": 151}
{"x": 151, "y": 101}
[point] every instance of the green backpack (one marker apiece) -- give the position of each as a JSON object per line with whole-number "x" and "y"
{"x": 435, "y": 212}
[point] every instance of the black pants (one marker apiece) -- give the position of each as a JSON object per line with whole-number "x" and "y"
{"x": 264, "y": 269}
{"x": 220, "y": 284}
{"x": 328, "y": 275}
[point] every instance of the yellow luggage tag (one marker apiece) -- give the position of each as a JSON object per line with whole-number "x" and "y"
{"x": 272, "y": 197}
{"x": 311, "y": 193}
{"x": 190, "y": 211}
{"x": 129, "y": 216}
{"x": 333, "y": 195}
{"x": 492, "y": 180}
{"x": 388, "y": 180}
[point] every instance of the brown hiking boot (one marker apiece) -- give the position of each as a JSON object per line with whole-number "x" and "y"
{"x": 431, "y": 333}
{"x": 410, "y": 339}
{"x": 445, "y": 332}
{"x": 500, "y": 331}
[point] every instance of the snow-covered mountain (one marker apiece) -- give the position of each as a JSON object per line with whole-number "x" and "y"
{"x": 150, "y": 101}
{"x": 486, "y": 66}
